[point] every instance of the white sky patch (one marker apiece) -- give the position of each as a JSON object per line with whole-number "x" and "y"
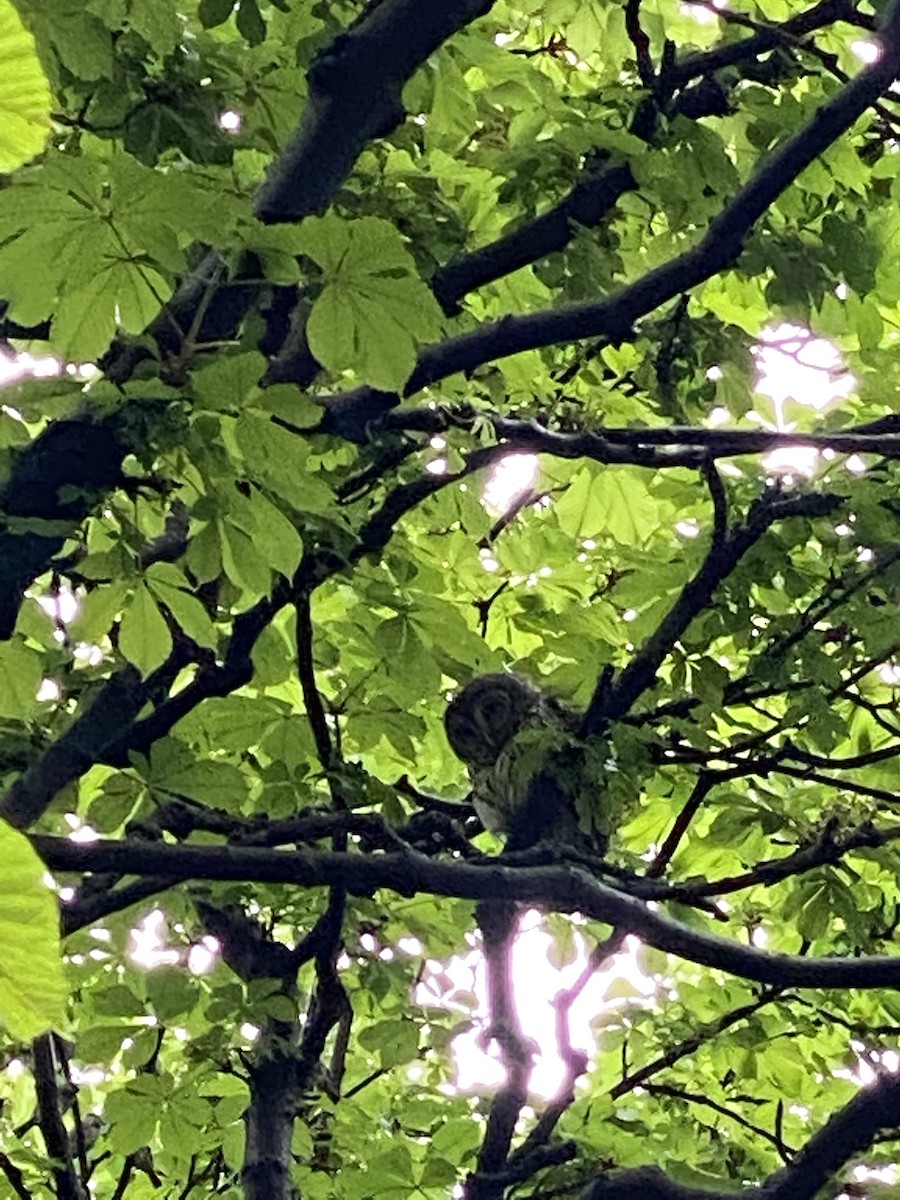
{"x": 460, "y": 985}
{"x": 796, "y": 367}
{"x": 512, "y": 476}
{"x": 230, "y": 121}
{"x": 27, "y": 364}
{"x": 718, "y": 416}
{"x": 866, "y": 51}
{"x": 148, "y": 942}
{"x": 61, "y": 607}
{"x": 85, "y": 834}
{"x": 701, "y": 14}
{"x": 49, "y": 691}
{"x": 203, "y": 956}
{"x": 89, "y": 1077}
{"x": 794, "y": 364}
{"x": 689, "y": 528}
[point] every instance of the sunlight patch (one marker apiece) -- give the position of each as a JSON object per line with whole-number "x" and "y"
{"x": 509, "y": 480}
{"x": 459, "y": 985}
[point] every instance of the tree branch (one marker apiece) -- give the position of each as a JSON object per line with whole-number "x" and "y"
{"x": 848, "y": 1132}
{"x": 498, "y": 920}
{"x": 355, "y": 90}
{"x": 689, "y": 1045}
{"x": 613, "y": 317}
{"x": 613, "y": 701}
{"x": 556, "y": 888}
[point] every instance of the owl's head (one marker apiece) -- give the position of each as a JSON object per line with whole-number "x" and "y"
{"x": 486, "y": 714}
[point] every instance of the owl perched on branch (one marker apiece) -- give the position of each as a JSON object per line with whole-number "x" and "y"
{"x": 526, "y": 769}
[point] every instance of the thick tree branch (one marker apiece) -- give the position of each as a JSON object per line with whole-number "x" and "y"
{"x": 763, "y": 40}
{"x": 56, "y": 1139}
{"x": 55, "y": 483}
{"x": 669, "y": 446}
{"x": 849, "y": 1132}
{"x": 557, "y": 888}
{"x": 613, "y": 317}
{"x": 498, "y": 921}
{"x": 87, "y": 740}
{"x": 355, "y": 95}
{"x": 274, "y": 1066}
{"x": 306, "y": 671}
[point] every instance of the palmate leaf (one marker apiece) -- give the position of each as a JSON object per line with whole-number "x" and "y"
{"x": 374, "y": 311}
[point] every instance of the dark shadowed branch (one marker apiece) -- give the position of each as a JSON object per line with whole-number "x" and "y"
{"x": 556, "y": 888}
{"x": 612, "y": 318}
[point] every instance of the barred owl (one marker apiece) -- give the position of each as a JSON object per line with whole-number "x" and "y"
{"x": 506, "y": 731}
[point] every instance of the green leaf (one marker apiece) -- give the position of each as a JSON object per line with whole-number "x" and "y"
{"x": 24, "y": 94}
{"x": 174, "y": 771}
{"x": 171, "y": 992}
{"x": 214, "y": 12}
{"x": 117, "y": 1000}
{"x": 250, "y": 23}
{"x": 373, "y": 312}
{"x": 33, "y": 991}
{"x": 144, "y": 636}
{"x": 20, "y": 678}
{"x": 397, "y": 1042}
{"x": 171, "y": 588}
{"x": 617, "y": 503}
{"x": 133, "y": 1116}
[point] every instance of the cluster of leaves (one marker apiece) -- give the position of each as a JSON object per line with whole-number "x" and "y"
{"x": 334, "y": 262}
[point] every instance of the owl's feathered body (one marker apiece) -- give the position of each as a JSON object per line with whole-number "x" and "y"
{"x": 512, "y": 737}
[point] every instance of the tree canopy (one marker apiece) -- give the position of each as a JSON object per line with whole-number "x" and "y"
{"x": 400, "y": 343}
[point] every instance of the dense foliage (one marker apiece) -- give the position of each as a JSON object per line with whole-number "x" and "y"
{"x": 341, "y": 268}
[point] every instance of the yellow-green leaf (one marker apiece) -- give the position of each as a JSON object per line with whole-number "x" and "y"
{"x": 24, "y": 93}
{"x": 144, "y": 636}
{"x": 32, "y": 984}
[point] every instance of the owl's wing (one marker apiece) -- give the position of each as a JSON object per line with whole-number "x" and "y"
{"x": 490, "y": 799}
